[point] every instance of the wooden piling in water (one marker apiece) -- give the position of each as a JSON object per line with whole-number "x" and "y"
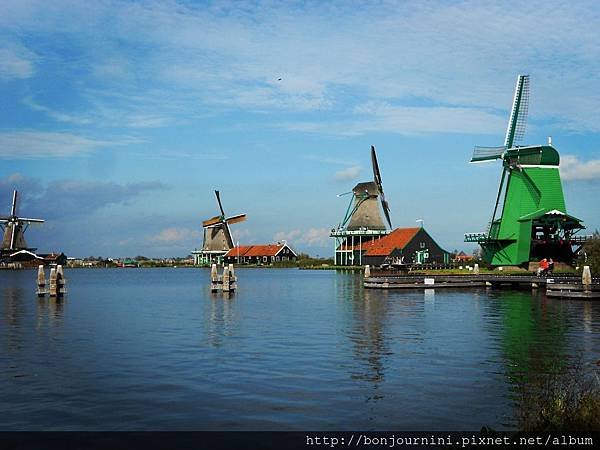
{"x": 41, "y": 282}
{"x": 225, "y": 279}
{"x": 586, "y": 278}
{"x": 232, "y": 279}
{"x": 226, "y": 283}
{"x": 53, "y": 285}
{"x": 214, "y": 279}
{"x": 60, "y": 281}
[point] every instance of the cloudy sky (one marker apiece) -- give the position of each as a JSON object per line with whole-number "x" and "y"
{"x": 118, "y": 119}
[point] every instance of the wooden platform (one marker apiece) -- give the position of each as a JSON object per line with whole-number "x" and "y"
{"x": 564, "y": 286}
{"x": 573, "y": 290}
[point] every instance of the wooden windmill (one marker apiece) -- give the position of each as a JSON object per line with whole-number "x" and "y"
{"x": 13, "y": 228}
{"x": 363, "y": 221}
{"x": 217, "y": 235}
{"x": 533, "y": 222}
{"x": 363, "y": 211}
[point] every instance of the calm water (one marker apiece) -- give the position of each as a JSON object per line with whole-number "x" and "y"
{"x": 136, "y": 349}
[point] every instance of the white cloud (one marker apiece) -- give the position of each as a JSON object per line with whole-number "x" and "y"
{"x": 37, "y": 144}
{"x": 405, "y": 120}
{"x": 40, "y": 144}
{"x": 16, "y": 62}
{"x": 572, "y": 169}
{"x": 313, "y": 237}
{"x": 425, "y": 59}
{"x": 329, "y": 160}
{"x": 175, "y": 235}
{"x": 349, "y": 173}
{"x": 56, "y": 115}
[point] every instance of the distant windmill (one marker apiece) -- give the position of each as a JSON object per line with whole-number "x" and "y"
{"x": 363, "y": 221}
{"x": 363, "y": 211}
{"x": 217, "y": 235}
{"x": 13, "y": 228}
{"x": 533, "y": 222}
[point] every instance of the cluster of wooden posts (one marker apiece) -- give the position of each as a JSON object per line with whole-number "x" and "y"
{"x": 227, "y": 282}
{"x": 56, "y": 283}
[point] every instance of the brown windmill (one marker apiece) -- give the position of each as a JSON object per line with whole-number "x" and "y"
{"x": 363, "y": 221}
{"x": 217, "y": 235}
{"x": 13, "y": 228}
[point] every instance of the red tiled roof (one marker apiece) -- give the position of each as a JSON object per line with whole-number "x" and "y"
{"x": 255, "y": 250}
{"x": 239, "y": 251}
{"x": 383, "y": 246}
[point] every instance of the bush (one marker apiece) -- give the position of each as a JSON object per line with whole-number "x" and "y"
{"x": 590, "y": 254}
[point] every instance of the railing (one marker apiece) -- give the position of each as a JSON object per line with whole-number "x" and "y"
{"x": 476, "y": 237}
{"x": 580, "y": 239}
{"x": 345, "y": 233}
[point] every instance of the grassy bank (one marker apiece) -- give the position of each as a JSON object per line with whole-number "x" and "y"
{"x": 569, "y": 400}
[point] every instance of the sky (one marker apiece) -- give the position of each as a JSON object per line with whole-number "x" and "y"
{"x": 118, "y": 119}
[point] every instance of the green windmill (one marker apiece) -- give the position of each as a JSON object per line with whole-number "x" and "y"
{"x": 533, "y": 222}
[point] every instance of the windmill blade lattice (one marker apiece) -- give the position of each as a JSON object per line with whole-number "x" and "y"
{"x": 377, "y": 179}
{"x": 518, "y": 116}
{"x": 219, "y": 202}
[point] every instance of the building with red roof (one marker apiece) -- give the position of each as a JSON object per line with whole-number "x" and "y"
{"x": 260, "y": 254}
{"x": 401, "y": 246}
{"x": 462, "y": 257}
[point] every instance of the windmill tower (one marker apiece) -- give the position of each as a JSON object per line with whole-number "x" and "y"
{"x": 363, "y": 221}
{"x": 217, "y": 235}
{"x": 13, "y": 228}
{"x": 529, "y": 220}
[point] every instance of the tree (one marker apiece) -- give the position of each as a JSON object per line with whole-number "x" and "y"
{"x": 590, "y": 254}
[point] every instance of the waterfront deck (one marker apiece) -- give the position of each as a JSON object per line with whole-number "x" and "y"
{"x": 555, "y": 286}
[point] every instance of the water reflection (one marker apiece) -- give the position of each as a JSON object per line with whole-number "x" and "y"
{"x": 14, "y": 312}
{"x": 533, "y": 335}
{"x": 367, "y": 315}
{"x": 291, "y": 350}
{"x": 49, "y": 311}
{"x": 588, "y": 326}
{"x": 369, "y": 337}
{"x": 221, "y": 319}
{"x": 429, "y": 299}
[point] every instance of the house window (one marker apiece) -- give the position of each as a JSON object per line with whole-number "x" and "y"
{"x": 277, "y": 258}
{"x": 422, "y": 245}
{"x": 264, "y": 259}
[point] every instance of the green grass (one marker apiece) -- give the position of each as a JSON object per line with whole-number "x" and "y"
{"x": 566, "y": 401}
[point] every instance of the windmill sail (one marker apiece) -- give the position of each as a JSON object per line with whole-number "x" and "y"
{"x": 481, "y": 154}
{"x": 377, "y": 179}
{"x": 518, "y": 115}
{"x": 517, "y": 123}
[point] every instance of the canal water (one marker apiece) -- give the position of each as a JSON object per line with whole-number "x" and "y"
{"x": 153, "y": 349}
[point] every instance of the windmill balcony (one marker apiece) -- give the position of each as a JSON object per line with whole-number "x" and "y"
{"x": 476, "y": 237}
{"x": 580, "y": 239}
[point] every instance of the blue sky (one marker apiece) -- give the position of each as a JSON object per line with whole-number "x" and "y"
{"x": 118, "y": 118}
